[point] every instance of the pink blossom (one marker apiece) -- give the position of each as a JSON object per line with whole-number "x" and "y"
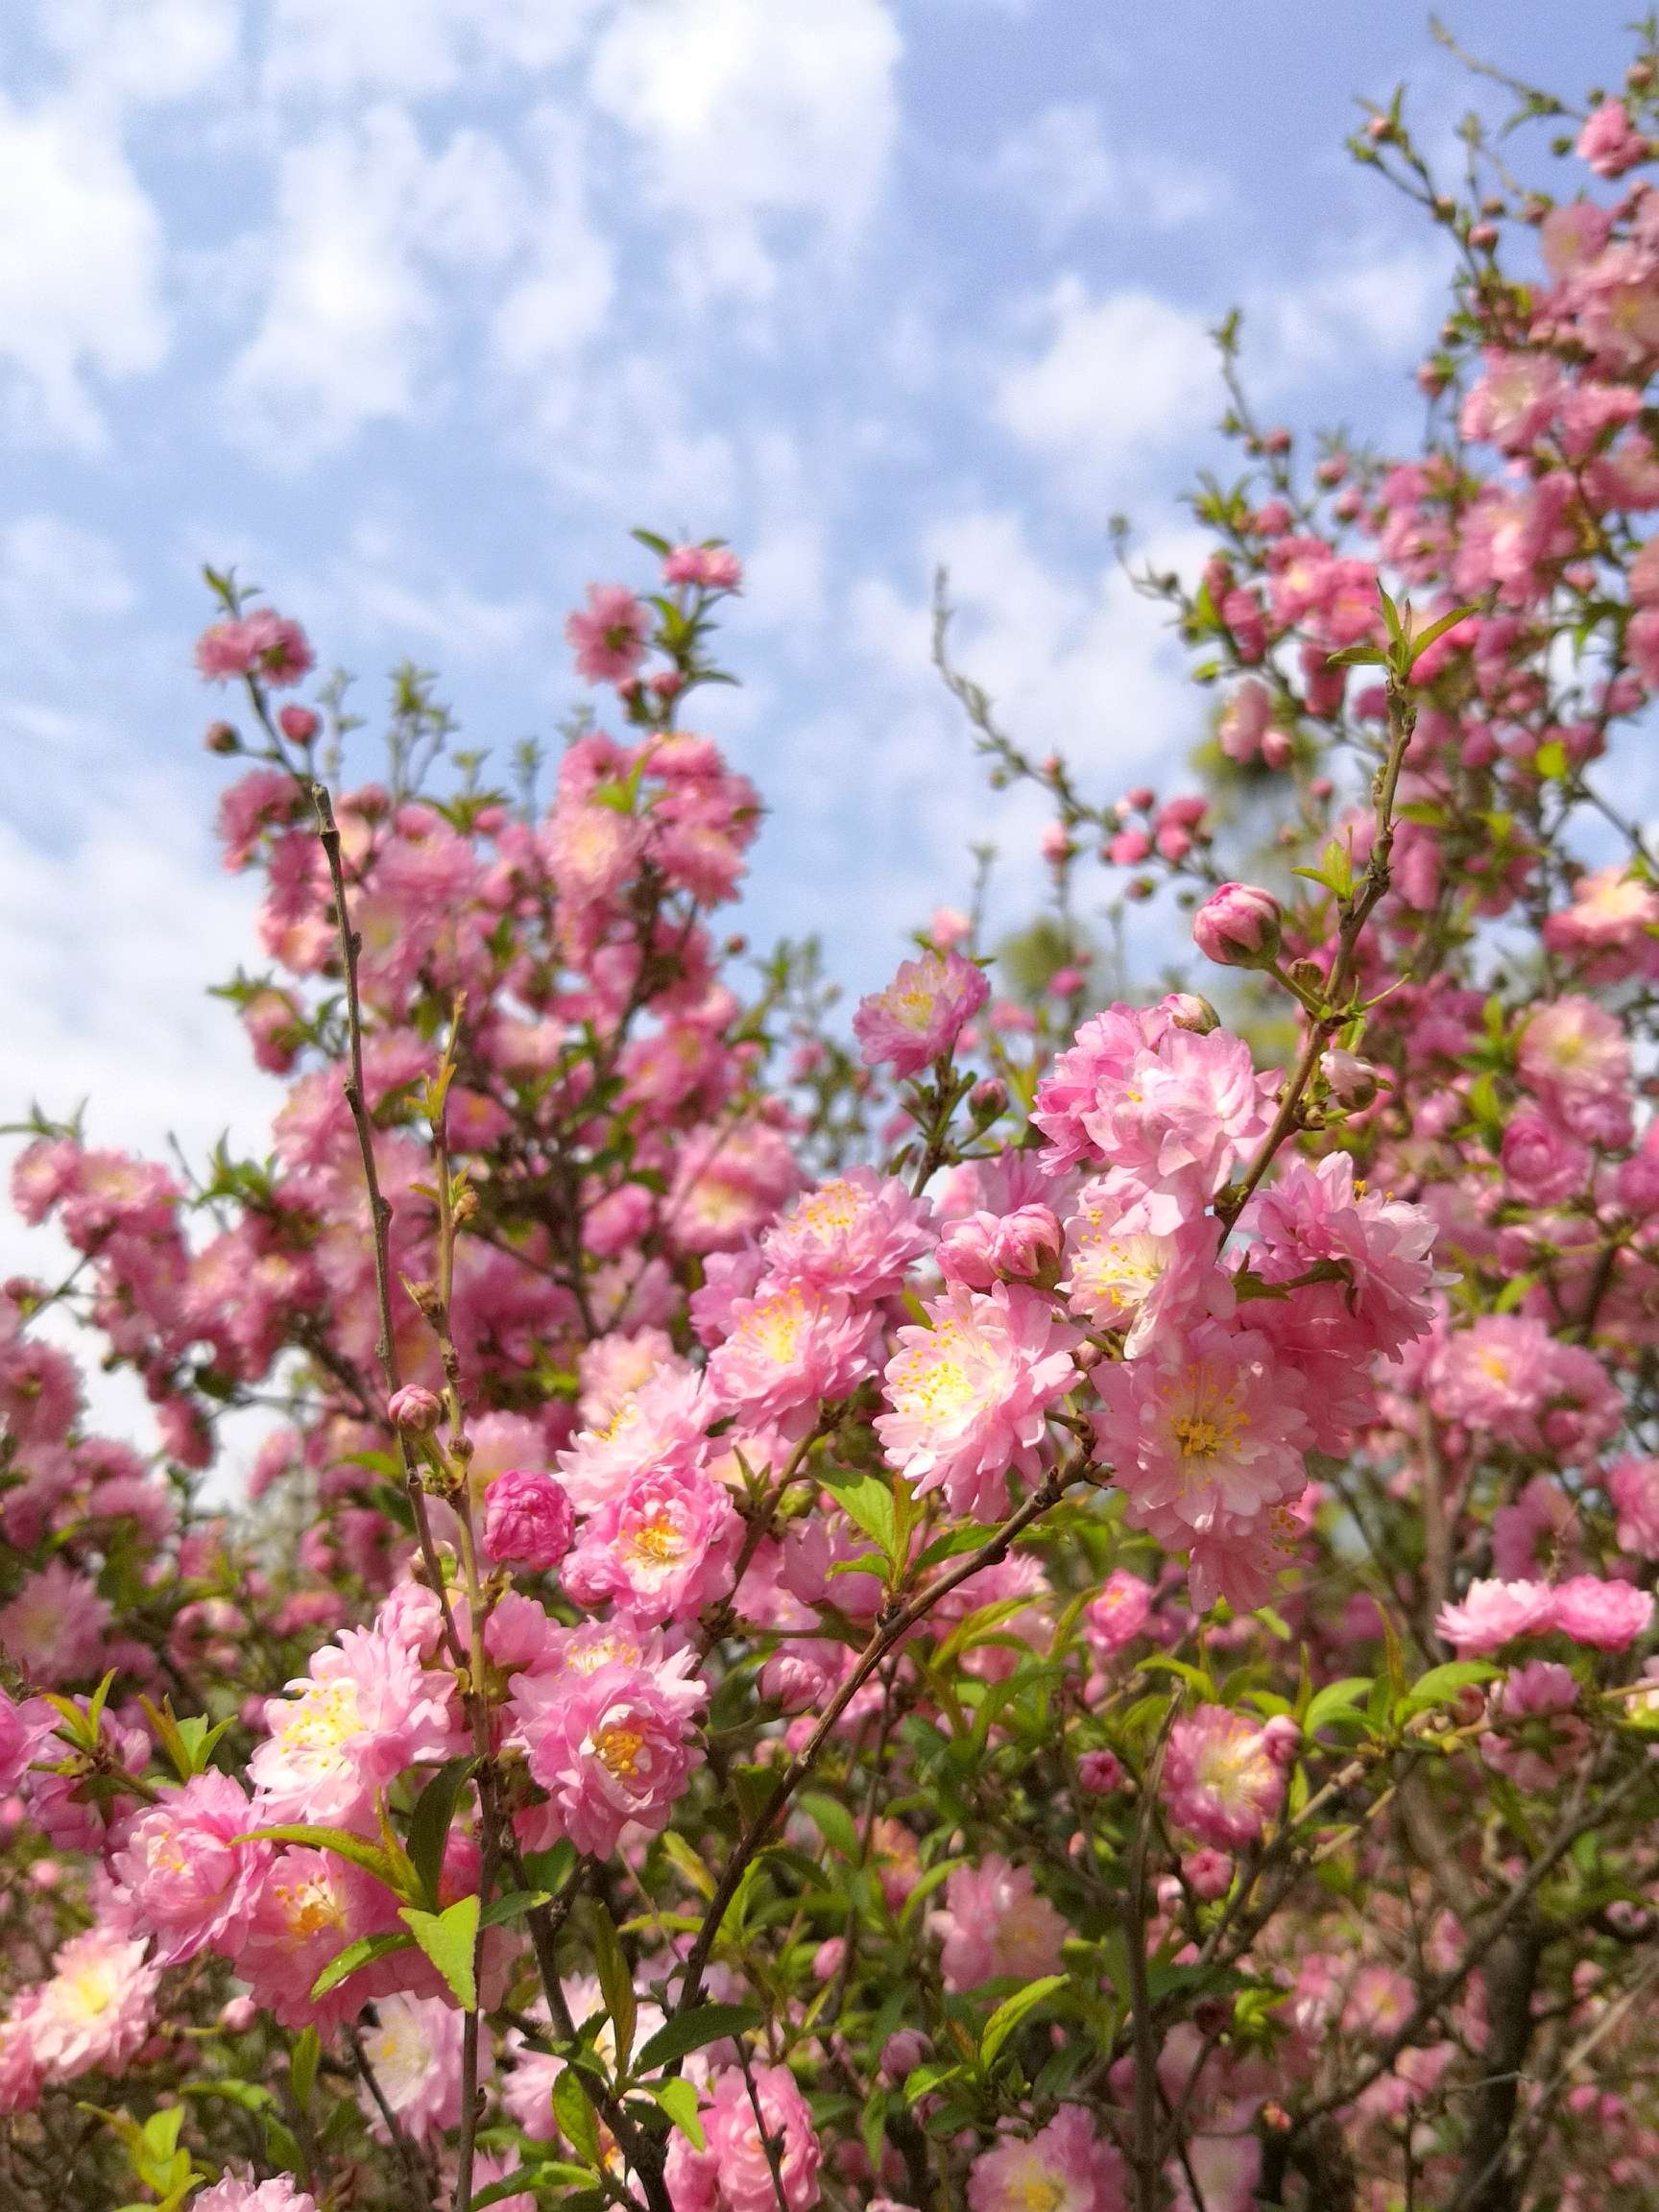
{"x": 659, "y": 1423}
{"x": 860, "y": 1233}
{"x": 280, "y": 2194}
{"x": 1493, "y": 1614}
{"x": 528, "y": 1519}
{"x": 1313, "y": 1216}
{"x": 996, "y": 1922}
{"x": 366, "y": 1709}
{"x": 1116, "y": 1616}
{"x": 181, "y": 1874}
{"x": 25, "y": 1730}
{"x": 1633, "y": 1485}
{"x": 1223, "y": 1777}
{"x": 1536, "y": 1737}
{"x": 969, "y": 1395}
{"x": 415, "y": 2050}
{"x": 1607, "y": 1616}
{"x": 792, "y": 1348}
{"x": 95, "y": 2011}
{"x": 54, "y": 1627}
{"x": 608, "y": 635}
{"x": 1122, "y": 1274}
{"x": 1609, "y": 142}
{"x": 663, "y": 1549}
{"x": 712, "y": 567}
{"x": 1575, "y": 1062}
{"x": 303, "y": 1916}
{"x": 1064, "y": 2168}
{"x": 981, "y": 1249}
{"x": 1543, "y": 1164}
{"x": 920, "y": 1015}
{"x": 732, "y": 2172}
{"x": 1207, "y": 1433}
{"x": 611, "y": 1749}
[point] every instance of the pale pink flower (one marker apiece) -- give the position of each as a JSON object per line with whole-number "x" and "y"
{"x": 1543, "y": 1164}
{"x": 1121, "y": 1274}
{"x": 181, "y": 1874}
{"x": 1607, "y": 1616}
{"x": 1575, "y": 1061}
{"x": 25, "y": 1730}
{"x": 996, "y": 1922}
{"x": 1313, "y": 1215}
{"x": 732, "y": 2172}
{"x": 95, "y": 2011}
{"x": 55, "y": 1627}
{"x": 661, "y": 1424}
{"x": 712, "y": 567}
{"x": 663, "y": 1551}
{"x": 280, "y": 2194}
{"x": 364, "y": 1712}
{"x": 969, "y": 1394}
{"x": 608, "y": 635}
{"x": 1116, "y": 1615}
{"x": 1527, "y": 1536}
{"x": 611, "y": 1749}
{"x": 791, "y": 1349}
{"x": 1223, "y": 1776}
{"x": 1099, "y": 1060}
{"x": 1493, "y": 1614}
{"x": 1536, "y": 1737}
{"x": 1633, "y": 1485}
{"x": 1064, "y": 2167}
{"x": 415, "y": 2050}
{"x": 1205, "y": 1432}
{"x": 860, "y": 1233}
{"x": 920, "y": 1015}
{"x": 1610, "y": 142}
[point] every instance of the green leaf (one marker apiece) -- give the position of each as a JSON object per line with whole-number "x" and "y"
{"x": 1358, "y": 657}
{"x": 615, "y": 1984}
{"x": 450, "y": 1939}
{"x": 515, "y": 1906}
{"x": 834, "y": 1823}
{"x": 430, "y": 1822}
{"x": 370, "y": 1857}
{"x": 679, "y": 2100}
{"x": 303, "y": 2061}
{"x": 1012, "y": 2011}
{"x": 574, "y": 2112}
{"x": 1335, "y": 1697}
{"x": 1435, "y": 631}
{"x": 690, "y": 2030}
{"x": 1441, "y": 1684}
{"x": 868, "y": 1502}
{"x": 362, "y": 1953}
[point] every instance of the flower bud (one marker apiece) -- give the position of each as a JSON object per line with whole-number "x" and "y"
{"x": 1238, "y": 926}
{"x": 300, "y": 725}
{"x": 989, "y": 1098}
{"x": 1354, "y": 1082}
{"x": 1100, "y": 1773}
{"x": 414, "y": 1409}
{"x": 220, "y": 737}
{"x": 1186, "y": 1010}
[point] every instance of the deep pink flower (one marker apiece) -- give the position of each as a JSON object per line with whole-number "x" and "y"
{"x": 528, "y": 1519}
{"x": 920, "y": 1014}
{"x": 969, "y": 1395}
{"x": 611, "y": 1749}
{"x": 1314, "y": 1215}
{"x": 663, "y": 1549}
{"x": 1117, "y": 1614}
{"x": 1543, "y": 1164}
{"x": 366, "y": 1709}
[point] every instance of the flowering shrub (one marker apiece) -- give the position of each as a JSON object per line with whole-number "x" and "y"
{"x": 1050, "y": 1611}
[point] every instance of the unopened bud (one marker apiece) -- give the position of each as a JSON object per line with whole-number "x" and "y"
{"x": 220, "y": 737}
{"x": 1186, "y": 1010}
{"x": 414, "y": 1409}
{"x": 1354, "y": 1082}
{"x": 1238, "y": 926}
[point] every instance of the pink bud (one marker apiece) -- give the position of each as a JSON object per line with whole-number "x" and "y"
{"x": 794, "y": 1684}
{"x": 1277, "y": 749}
{"x": 1186, "y": 1010}
{"x": 1100, "y": 1773}
{"x": 299, "y": 724}
{"x": 414, "y": 1409}
{"x": 1353, "y": 1081}
{"x": 1208, "y": 1873}
{"x": 1238, "y": 926}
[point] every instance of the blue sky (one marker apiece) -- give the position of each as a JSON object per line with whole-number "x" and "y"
{"x": 411, "y": 307}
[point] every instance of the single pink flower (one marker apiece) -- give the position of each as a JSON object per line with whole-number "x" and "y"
{"x": 920, "y": 1014}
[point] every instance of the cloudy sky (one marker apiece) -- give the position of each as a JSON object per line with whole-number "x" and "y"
{"x": 411, "y": 307}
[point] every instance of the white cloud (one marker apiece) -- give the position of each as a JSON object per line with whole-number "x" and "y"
{"x": 562, "y": 298}
{"x": 747, "y": 112}
{"x": 364, "y": 216}
{"x": 159, "y": 50}
{"x": 55, "y": 578}
{"x": 1118, "y": 379}
{"x": 412, "y": 48}
{"x": 389, "y": 584}
{"x": 80, "y": 268}
{"x": 1061, "y": 165}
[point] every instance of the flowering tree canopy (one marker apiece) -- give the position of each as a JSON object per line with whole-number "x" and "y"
{"x": 1044, "y": 1607}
